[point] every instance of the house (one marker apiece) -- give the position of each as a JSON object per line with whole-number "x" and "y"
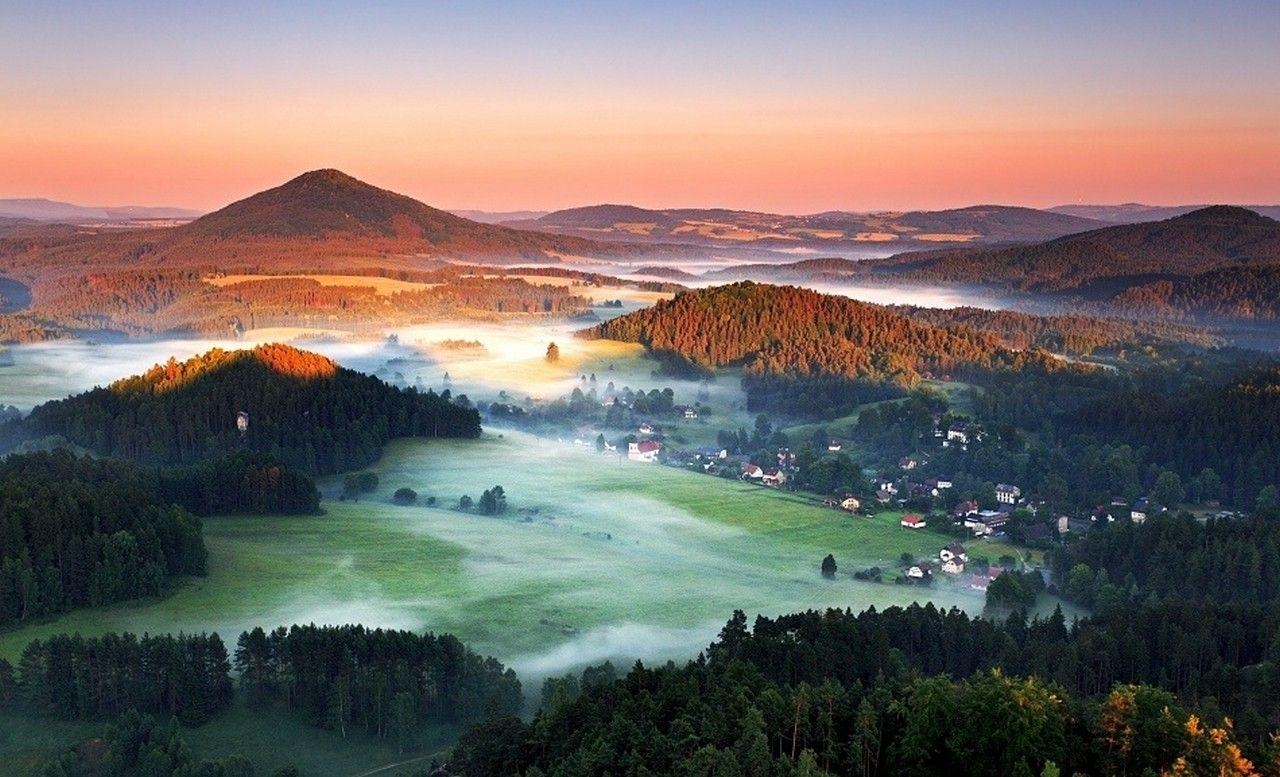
{"x": 773, "y": 477}
{"x": 888, "y": 486}
{"x": 834, "y": 446}
{"x": 646, "y": 428}
{"x": 689, "y": 413}
{"x": 884, "y": 497}
{"x": 986, "y": 522}
{"x": 958, "y": 432}
{"x": 1007, "y": 494}
{"x": 953, "y": 550}
{"x": 953, "y": 566}
{"x": 644, "y": 450}
{"x": 912, "y": 522}
{"x": 907, "y": 463}
{"x": 944, "y": 484}
{"x": 1138, "y": 512}
{"x": 752, "y": 471}
{"x": 850, "y": 503}
{"x": 965, "y": 509}
{"x": 919, "y": 571}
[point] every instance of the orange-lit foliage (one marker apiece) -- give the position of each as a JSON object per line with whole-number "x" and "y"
{"x": 282, "y": 359}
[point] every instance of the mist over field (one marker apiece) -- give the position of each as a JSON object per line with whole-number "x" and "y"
{"x": 598, "y": 558}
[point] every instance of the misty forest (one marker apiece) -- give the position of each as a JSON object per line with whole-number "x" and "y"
{"x": 764, "y": 413}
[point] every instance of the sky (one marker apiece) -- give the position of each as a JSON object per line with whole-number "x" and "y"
{"x": 789, "y": 107}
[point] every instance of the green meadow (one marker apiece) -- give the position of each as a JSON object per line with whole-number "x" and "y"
{"x": 596, "y": 557}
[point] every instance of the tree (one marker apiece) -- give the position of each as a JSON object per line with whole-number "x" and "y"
{"x": 405, "y": 496}
{"x": 1268, "y": 500}
{"x": 464, "y": 502}
{"x": 553, "y": 353}
{"x": 829, "y": 566}
{"x": 493, "y": 501}
{"x": 1168, "y": 490}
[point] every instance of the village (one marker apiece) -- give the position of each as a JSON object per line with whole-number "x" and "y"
{"x": 999, "y": 520}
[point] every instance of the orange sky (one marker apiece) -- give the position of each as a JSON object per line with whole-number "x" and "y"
{"x": 793, "y": 124}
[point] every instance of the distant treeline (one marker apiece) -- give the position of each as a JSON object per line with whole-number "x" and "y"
{"x": 303, "y": 409}
{"x": 78, "y": 532}
{"x": 376, "y": 680}
{"x": 1074, "y": 335}
{"x": 922, "y": 691}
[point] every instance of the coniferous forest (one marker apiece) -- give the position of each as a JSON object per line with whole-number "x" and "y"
{"x": 301, "y": 408}
{"x": 78, "y": 532}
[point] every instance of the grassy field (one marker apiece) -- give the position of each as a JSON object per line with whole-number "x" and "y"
{"x": 596, "y": 558}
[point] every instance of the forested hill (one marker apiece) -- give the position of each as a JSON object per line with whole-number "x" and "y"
{"x": 303, "y": 409}
{"x": 1219, "y": 260}
{"x": 784, "y": 329}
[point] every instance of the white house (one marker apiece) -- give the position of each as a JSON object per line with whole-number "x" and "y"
{"x": 953, "y": 566}
{"x": 1007, "y": 494}
{"x": 644, "y": 450}
{"x": 953, "y": 550}
{"x": 912, "y": 522}
{"x": 850, "y": 503}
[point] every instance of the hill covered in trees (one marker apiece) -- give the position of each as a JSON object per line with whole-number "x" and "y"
{"x": 1216, "y": 261}
{"x": 303, "y": 409}
{"x": 802, "y": 351}
{"x": 77, "y": 532}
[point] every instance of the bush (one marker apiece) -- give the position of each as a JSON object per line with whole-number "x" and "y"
{"x": 405, "y": 496}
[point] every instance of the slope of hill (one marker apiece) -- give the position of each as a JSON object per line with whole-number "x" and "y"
{"x": 1134, "y": 212}
{"x": 302, "y": 408}
{"x": 1220, "y": 260}
{"x": 807, "y": 353}
{"x": 148, "y": 281}
{"x": 736, "y": 228}
{"x": 331, "y": 211}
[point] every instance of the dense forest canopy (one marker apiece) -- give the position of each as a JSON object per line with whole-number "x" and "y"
{"x": 78, "y": 532}
{"x": 303, "y": 409}
{"x": 808, "y": 353}
{"x": 920, "y": 691}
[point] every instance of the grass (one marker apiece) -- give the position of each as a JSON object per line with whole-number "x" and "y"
{"x": 268, "y": 738}
{"x": 596, "y": 558}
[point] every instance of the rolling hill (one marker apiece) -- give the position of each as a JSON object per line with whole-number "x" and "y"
{"x": 302, "y": 408}
{"x": 1134, "y": 212}
{"x": 834, "y": 229}
{"x": 1220, "y": 261}
{"x": 146, "y": 281}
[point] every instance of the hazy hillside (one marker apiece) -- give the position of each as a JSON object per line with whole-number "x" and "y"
{"x": 736, "y": 228}
{"x": 1134, "y": 212}
{"x": 1220, "y": 260}
{"x": 39, "y": 209}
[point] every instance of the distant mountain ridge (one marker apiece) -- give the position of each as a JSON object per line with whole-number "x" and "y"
{"x": 738, "y": 228}
{"x": 41, "y": 209}
{"x": 339, "y": 212}
{"x": 1219, "y": 260}
{"x": 1134, "y": 212}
